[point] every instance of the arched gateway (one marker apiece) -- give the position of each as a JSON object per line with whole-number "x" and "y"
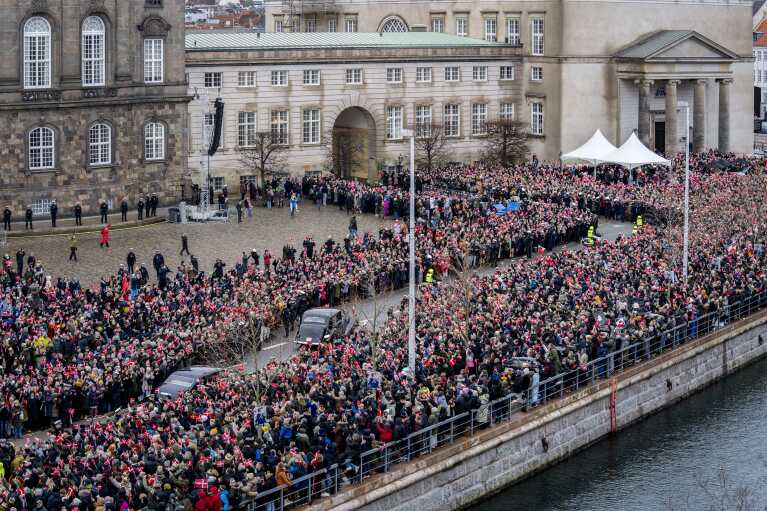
{"x": 354, "y": 144}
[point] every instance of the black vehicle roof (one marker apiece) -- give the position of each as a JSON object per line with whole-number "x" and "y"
{"x": 322, "y": 312}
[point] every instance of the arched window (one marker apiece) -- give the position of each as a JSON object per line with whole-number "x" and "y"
{"x": 42, "y": 149}
{"x": 93, "y": 37}
{"x": 37, "y": 53}
{"x": 100, "y": 144}
{"x": 154, "y": 141}
{"x": 393, "y": 24}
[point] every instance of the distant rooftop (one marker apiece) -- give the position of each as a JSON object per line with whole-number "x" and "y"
{"x": 228, "y": 40}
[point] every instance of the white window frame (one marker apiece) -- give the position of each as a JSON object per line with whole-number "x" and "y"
{"x": 332, "y": 24}
{"x": 537, "y": 33}
{"x": 279, "y": 25}
{"x": 41, "y": 148}
{"x": 394, "y": 24}
{"x": 311, "y": 124}
{"x": 462, "y": 26}
{"x": 310, "y": 24}
{"x": 37, "y": 53}
{"x": 536, "y": 73}
{"x": 491, "y": 28}
{"x": 354, "y": 76}
{"x": 512, "y": 30}
{"x": 478, "y": 119}
{"x": 393, "y": 75}
{"x": 99, "y": 144}
{"x": 218, "y": 182}
{"x": 537, "y": 119}
{"x": 93, "y": 52}
{"x": 438, "y": 24}
{"x": 423, "y": 74}
{"x": 41, "y": 207}
{"x": 350, "y": 24}
{"x": 279, "y": 78}
{"x": 246, "y": 79}
{"x": 246, "y": 129}
{"x": 394, "y": 122}
{"x": 452, "y": 74}
{"x": 154, "y": 141}
{"x": 451, "y": 114}
{"x": 312, "y": 77}
{"x": 506, "y": 111}
{"x": 213, "y": 79}
{"x": 154, "y": 60}
{"x": 506, "y": 73}
{"x": 279, "y": 124}
{"x": 479, "y": 73}
{"x": 423, "y": 120}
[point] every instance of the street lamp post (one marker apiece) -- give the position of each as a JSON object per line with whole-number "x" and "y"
{"x": 686, "y": 234}
{"x": 411, "y": 239}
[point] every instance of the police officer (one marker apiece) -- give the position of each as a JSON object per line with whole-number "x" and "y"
{"x": 7, "y": 218}
{"x": 104, "y": 210}
{"x": 130, "y": 260}
{"x": 155, "y": 203}
{"x": 124, "y": 210}
{"x": 147, "y": 206}
{"x": 28, "y": 218}
{"x": 184, "y": 245}
{"x": 78, "y": 214}
{"x": 54, "y": 212}
{"x": 140, "y": 208}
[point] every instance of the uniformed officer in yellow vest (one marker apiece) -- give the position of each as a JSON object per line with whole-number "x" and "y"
{"x": 430, "y": 276}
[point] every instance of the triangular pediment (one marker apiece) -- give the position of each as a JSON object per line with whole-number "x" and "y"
{"x": 676, "y": 46}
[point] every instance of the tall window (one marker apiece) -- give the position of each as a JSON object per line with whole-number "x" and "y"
{"x": 153, "y": 60}
{"x": 37, "y": 53}
{"x": 93, "y": 36}
{"x": 310, "y": 25}
{"x": 536, "y": 73}
{"x": 507, "y": 73}
{"x": 100, "y": 144}
{"x": 462, "y": 26}
{"x": 393, "y": 122}
{"x": 42, "y": 146}
{"x": 512, "y": 31}
{"x": 423, "y": 74}
{"x": 279, "y": 25}
{"x": 536, "y": 118}
{"x": 478, "y": 118}
{"x": 350, "y": 24}
{"x": 354, "y": 76}
{"x": 280, "y": 127}
{"x": 311, "y": 127}
{"x": 452, "y": 74}
{"x": 332, "y": 22}
{"x": 507, "y": 111}
{"x": 154, "y": 141}
{"x": 394, "y": 75}
{"x": 213, "y": 80}
{"x": 423, "y": 121}
{"x": 491, "y": 29}
{"x": 246, "y": 79}
{"x": 438, "y": 24}
{"x": 536, "y": 25}
{"x": 452, "y": 121}
{"x": 479, "y": 73}
{"x": 246, "y": 129}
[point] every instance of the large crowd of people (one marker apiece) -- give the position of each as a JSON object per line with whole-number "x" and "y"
{"x": 70, "y": 353}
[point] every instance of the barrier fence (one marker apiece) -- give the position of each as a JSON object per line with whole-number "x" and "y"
{"x": 326, "y": 482}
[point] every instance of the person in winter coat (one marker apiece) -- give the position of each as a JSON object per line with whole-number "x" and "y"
{"x": 483, "y": 414}
{"x": 104, "y": 236}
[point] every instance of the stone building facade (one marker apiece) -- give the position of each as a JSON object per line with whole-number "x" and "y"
{"x": 578, "y": 50}
{"x": 93, "y": 102}
{"x": 369, "y": 86}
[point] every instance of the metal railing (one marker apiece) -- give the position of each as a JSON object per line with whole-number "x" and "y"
{"x": 326, "y": 482}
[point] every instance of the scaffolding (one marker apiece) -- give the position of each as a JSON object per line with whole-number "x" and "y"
{"x": 296, "y": 10}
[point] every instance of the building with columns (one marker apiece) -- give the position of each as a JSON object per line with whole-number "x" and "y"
{"x": 589, "y": 61}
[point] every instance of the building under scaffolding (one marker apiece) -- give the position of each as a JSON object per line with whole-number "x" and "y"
{"x": 306, "y": 15}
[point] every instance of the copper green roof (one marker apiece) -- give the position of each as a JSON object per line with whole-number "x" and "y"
{"x": 233, "y": 40}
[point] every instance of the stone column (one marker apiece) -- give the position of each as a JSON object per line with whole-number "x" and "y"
{"x": 644, "y": 110}
{"x": 699, "y": 117}
{"x": 672, "y": 123}
{"x": 724, "y": 114}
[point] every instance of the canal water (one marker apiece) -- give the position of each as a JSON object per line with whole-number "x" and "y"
{"x": 671, "y": 455}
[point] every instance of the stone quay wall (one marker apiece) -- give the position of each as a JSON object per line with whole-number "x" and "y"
{"x": 470, "y": 470}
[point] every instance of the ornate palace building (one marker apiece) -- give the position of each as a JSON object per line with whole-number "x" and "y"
{"x": 93, "y": 102}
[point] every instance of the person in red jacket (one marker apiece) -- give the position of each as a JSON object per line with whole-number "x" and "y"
{"x": 213, "y": 501}
{"x": 104, "y": 236}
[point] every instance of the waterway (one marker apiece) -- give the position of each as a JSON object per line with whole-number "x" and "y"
{"x": 664, "y": 462}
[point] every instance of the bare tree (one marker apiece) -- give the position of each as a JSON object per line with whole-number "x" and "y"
{"x": 719, "y": 493}
{"x": 506, "y": 142}
{"x": 431, "y": 146}
{"x": 266, "y": 155}
{"x": 462, "y": 287}
{"x": 343, "y": 152}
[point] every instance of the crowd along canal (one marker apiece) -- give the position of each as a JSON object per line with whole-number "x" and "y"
{"x": 667, "y": 456}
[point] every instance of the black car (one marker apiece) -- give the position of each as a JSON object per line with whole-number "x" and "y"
{"x": 184, "y": 379}
{"x": 319, "y": 325}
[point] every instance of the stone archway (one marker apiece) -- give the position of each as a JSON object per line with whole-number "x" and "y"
{"x": 354, "y": 144}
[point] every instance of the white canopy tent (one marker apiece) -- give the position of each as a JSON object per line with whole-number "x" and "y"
{"x": 593, "y": 151}
{"x": 633, "y": 153}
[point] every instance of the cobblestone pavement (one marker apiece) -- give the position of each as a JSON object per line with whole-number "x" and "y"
{"x": 269, "y": 228}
